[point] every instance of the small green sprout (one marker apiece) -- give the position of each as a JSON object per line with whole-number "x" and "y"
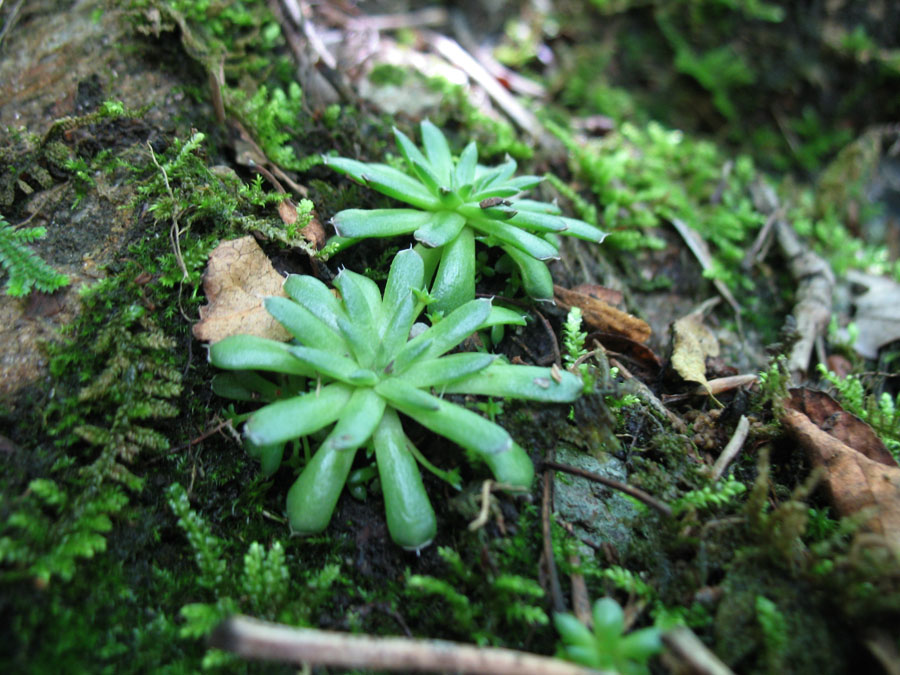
{"x": 607, "y": 648}
{"x": 366, "y": 370}
{"x": 455, "y": 202}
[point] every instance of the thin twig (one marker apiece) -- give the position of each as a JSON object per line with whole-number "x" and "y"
{"x": 262, "y": 640}
{"x": 554, "y": 343}
{"x": 732, "y": 449}
{"x": 452, "y": 51}
{"x": 555, "y": 590}
{"x": 637, "y": 493}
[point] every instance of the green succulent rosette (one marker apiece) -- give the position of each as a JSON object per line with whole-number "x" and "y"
{"x": 454, "y": 202}
{"x": 368, "y": 374}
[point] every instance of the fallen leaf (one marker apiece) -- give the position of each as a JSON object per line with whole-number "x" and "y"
{"x": 877, "y": 313}
{"x": 312, "y": 232}
{"x": 601, "y": 316}
{"x": 692, "y": 343}
{"x": 829, "y": 416}
{"x": 238, "y": 277}
{"x": 855, "y": 482}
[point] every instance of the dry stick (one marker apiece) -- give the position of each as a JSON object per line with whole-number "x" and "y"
{"x": 637, "y": 493}
{"x": 692, "y": 655}
{"x": 732, "y": 449}
{"x": 254, "y": 639}
{"x": 555, "y": 590}
{"x": 815, "y": 281}
{"x": 459, "y": 57}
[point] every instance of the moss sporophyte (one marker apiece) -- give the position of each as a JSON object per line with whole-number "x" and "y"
{"x": 357, "y": 355}
{"x": 455, "y": 202}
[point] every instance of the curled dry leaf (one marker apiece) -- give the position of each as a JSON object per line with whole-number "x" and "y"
{"x": 860, "y": 477}
{"x": 601, "y": 316}
{"x": 692, "y": 343}
{"x": 237, "y": 279}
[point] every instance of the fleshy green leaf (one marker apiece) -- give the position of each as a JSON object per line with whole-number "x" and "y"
{"x": 313, "y": 496}
{"x": 396, "y": 390}
{"x": 502, "y": 316}
{"x": 444, "y": 336}
{"x": 465, "y": 167}
{"x": 527, "y": 382}
{"x": 441, "y": 371}
{"x": 362, "y": 300}
{"x": 387, "y": 180}
{"x": 512, "y": 466}
{"x": 358, "y": 420}
{"x": 250, "y": 352}
{"x": 443, "y": 227}
{"x": 454, "y": 283}
{"x": 269, "y": 456}
{"x": 307, "y": 328}
{"x": 542, "y": 222}
{"x": 536, "y": 278}
{"x": 338, "y": 367}
{"x": 298, "y": 416}
{"x": 437, "y": 151}
{"x": 245, "y": 385}
{"x": 583, "y": 230}
{"x": 572, "y": 631}
{"x": 460, "y": 425}
{"x": 410, "y": 517}
{"x": 509, "y": 234}
{"x": 379, "y": 222}
{"x": 317, "y": 298}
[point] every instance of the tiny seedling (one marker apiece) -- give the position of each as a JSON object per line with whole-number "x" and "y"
{"x": 607, "y": 647}
{"x": 366, "y": 370}
{"x": 454, "y": 202}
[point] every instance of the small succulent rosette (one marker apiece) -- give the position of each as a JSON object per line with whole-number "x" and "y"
{"x": 454, "y": 202}
{"x": 353, "y": 365}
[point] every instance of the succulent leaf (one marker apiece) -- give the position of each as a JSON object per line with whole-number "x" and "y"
{"x": 358, "y": 420}
{"x": 250, "y": 352}
{"x": 410, "y": 517}
{"x": 379, "y": 222}
{"x": 304, "y": 326}
{"x": 313, "y": 496}
{"x": 454, "y": 283}
{"x": 447, "y": 369}
{"x": 387, "y": 180}
{"x": 437, "y": 150}
{"x": 527, "y": 382}
{"x": 298, "y": 416}
{"x": 442, "y": 228}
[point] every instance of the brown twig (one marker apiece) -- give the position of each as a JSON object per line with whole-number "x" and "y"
{"x": 555, "y": 590}
{"x": 637, "y": 493}
{"x": 732, "y": 449}
{"x": 262, "y": 640}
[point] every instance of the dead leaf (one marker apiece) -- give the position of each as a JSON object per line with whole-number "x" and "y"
{"x": 854, "y": 481}
{"x": 829, "y": 416}
{"x": 312, "y": 232}
{"x": 692, "y": 343}
{"x": 238, "y": 277}
{"x": 601, "y": 316}
{"x": 877, "y": 313}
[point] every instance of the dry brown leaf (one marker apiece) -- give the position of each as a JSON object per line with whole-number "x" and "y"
{"x": 854, "y": 481}
{"x": 692, "y": 343}
{"x": 312, "y": 232}
{"x": 828, "y": 414}
{"x": 601, "y": 316}
{"x": 877, "y": 313}
{"x": 238, "y": 277}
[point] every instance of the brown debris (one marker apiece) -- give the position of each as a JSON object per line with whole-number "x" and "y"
{"x": 601, "y": 316}
{"x": 238, "y": 277}
{"x": 856, "y": 482}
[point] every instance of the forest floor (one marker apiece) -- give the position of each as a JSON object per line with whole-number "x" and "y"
{"x": 731, "y": 474}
